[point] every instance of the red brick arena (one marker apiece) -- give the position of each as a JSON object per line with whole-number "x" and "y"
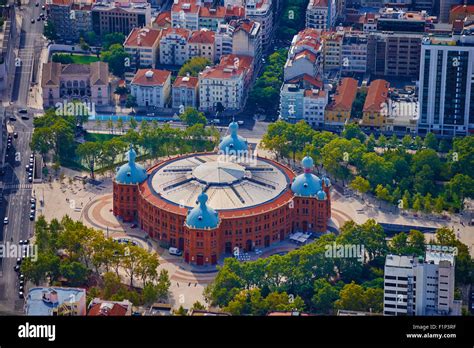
{"x": 210, "y": 204}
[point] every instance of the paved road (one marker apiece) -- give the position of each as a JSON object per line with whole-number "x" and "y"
{"x": 18, "y": 190}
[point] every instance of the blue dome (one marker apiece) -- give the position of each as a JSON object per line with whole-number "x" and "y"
{"x": 233, "y": 142}
{"x": 131, "y": 172}
{"x": 306, "y": 184}
{"x": 202, "y": 216}
{"x": 307, "y": 163}
{"x": 322, "y": 195}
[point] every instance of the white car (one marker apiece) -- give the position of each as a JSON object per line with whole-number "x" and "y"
{"x": 175, "y": 251}
{"x": 5, "y": 220}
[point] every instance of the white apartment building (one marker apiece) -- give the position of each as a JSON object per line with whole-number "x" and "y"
{"x": 151, "y": 87}
{"x": 304, "y": 62}
{"x": 247, "y": 39}
{"x": 314, "y": 104}
{"x": 185, "y": 14}
{"x": 142, "y": 44}
{"x": 185, "y": 92}
{"x": 174, "y": 46}
{"x": 417, "y": 286}
{"x": 332, "y": 50}
{"x": 261, "y": 11}
{"x": 321, "y": 14}
{"x": 226, "y": 84}
{"x": 201, "y": 43}
{"x": 305, "y": 55}
{"x": 223, "y": 41}
{"x": 446, "y": 92}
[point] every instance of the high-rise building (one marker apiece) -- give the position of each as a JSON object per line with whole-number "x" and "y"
{"x": 261, "y": 11}
{"x": 321, "y": 14}
{"x": 420, "y": 286}
{"x": 446, "y": 92}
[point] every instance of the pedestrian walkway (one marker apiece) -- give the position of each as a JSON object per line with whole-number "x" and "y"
{"x": 18, "y": 186}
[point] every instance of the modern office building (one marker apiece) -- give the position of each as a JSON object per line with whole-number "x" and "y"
{"x": 446, "y": 91}
{"x": 420, "y": 286}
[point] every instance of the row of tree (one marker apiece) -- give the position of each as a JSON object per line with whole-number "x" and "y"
{"x": 71, "y": 253}
{"x": 411, "y": 174}
{"x": 312, "y": 280}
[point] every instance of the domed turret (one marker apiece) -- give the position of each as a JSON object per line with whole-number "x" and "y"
{"x": 131, "y": 172}
{"x": 306, "y": 184}
{"x": 202, "y": 216}
{"x": 321, "y": 195}
{"x": 233, "y": 144}
{"x": 326, "y": 181}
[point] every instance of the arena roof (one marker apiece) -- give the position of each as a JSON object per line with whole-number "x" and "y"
{"x": 230, "y": 185}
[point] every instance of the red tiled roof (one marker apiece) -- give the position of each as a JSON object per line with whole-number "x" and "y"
{"x": 310, "y": 93}
{"x": 319, "y": 3}
{"x": 189, "y": 6}
{"x": 61, "y": 2}
{"x": 179, "y": 31}
{"x": 215, "y": 12}
{"x": 345, "y": 95}
{"x": 244, "y": 24}
{"x": 308, "y": 37}
{"x": 227, "y": 69}
{"x": 462, "y": 9}
{"x": 144, "y": 37}
{"x": 159, "y": 77}
{"x": 202, "y": 36}
{"x": 306, "y": 54}
{"x": 377, "y": 94}
{"x": 186, "y": 81}
{"x": 309, "y": 79}
{"x": 163, "y": 19}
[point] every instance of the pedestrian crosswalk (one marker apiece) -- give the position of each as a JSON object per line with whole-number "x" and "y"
{"x": 18, "y": 187}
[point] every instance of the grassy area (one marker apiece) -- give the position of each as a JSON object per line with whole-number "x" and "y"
{"x": 99, "y": 136}
{"x": 81, "y": 59}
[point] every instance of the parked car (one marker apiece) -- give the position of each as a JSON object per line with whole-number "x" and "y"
{"x": 15, "y": 135}
{"x": 5, "y": 220}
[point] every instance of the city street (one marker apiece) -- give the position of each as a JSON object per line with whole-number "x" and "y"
{"x": 18, "y": 190}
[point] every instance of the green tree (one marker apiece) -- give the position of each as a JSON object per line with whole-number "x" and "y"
{"x": 131, "y": 102}
{"x": 164, "y": 284}
{"x": 353, "y": 131}
{"x": 112, "y": 39}
{"x": 324, "y": 296}
{"x": 407, "y": 141}
{"x": 194, "y": 66}
{"x": 360, "y": 184}
{"x": 49, "y": 31}
{"x": 416, "y": 243}
{"x": 417, "y": 203}
{"x": 358, "y": 104}
{"x": 439, "y": 204}
{"x": 430, "y": 141}
{"x": 191, "y": 116}
{"x": 382, "y": 141}
{"x": 150, "y": 293}
{"x": 428, "y": 203}
{"x": 90, "y": 153}
{"x": 115, "y": 56}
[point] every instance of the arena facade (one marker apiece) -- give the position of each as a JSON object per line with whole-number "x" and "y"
{"x": 216, "y": 203}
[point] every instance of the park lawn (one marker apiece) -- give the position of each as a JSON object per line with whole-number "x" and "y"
{"x": 82, "y": 59}
{"x": 99, "y": 136}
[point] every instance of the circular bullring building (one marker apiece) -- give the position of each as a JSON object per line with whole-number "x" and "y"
{"x": 209, "y": 204}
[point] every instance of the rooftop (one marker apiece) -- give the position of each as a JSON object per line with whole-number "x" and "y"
{"x": 42, "y": 301}
{"x": 345, "y": 94}
{"x": 143, "y": 37}
{"x": 202, "y": 36}
{"x": 186, "y": 81}
{"x": 377, "y": 96}
{"x": 151, "y": 77}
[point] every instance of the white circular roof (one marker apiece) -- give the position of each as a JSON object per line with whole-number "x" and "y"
{"x": 218, "y": 172}
{"x": 229, "y": 185}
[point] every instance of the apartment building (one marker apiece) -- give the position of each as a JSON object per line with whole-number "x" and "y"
{"x": 70, "y": 18}
{"x": 446, "y": 85}
{"x": 185, "y": 92}
{"x": 375, "y": 110}
{"x": 394, "y": 54}
{"x": 354, "y": 52}
{"x": 151, "y": 87}
{"x": 226, "y": 84}
{"x": 261, "y": 11}
{"x": 420, "y": 286}
{"x": 111, "y": 17}
{"x": 174, "y": 46}
{"x": 247, "y": 39}
{"x": 223, "y": 40}
{"x": 303, "y": 98}
{"x": 185, "y": 14}
{"x": 332, "y": 50}
{"x": 304, "y": 62}
{"x": 143, "y": 46}
{"x": 461, "y": 12}
{"x": 338, "y": 112}
{"x": 201, "y": 43}
{"x": 321, "y": 14}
